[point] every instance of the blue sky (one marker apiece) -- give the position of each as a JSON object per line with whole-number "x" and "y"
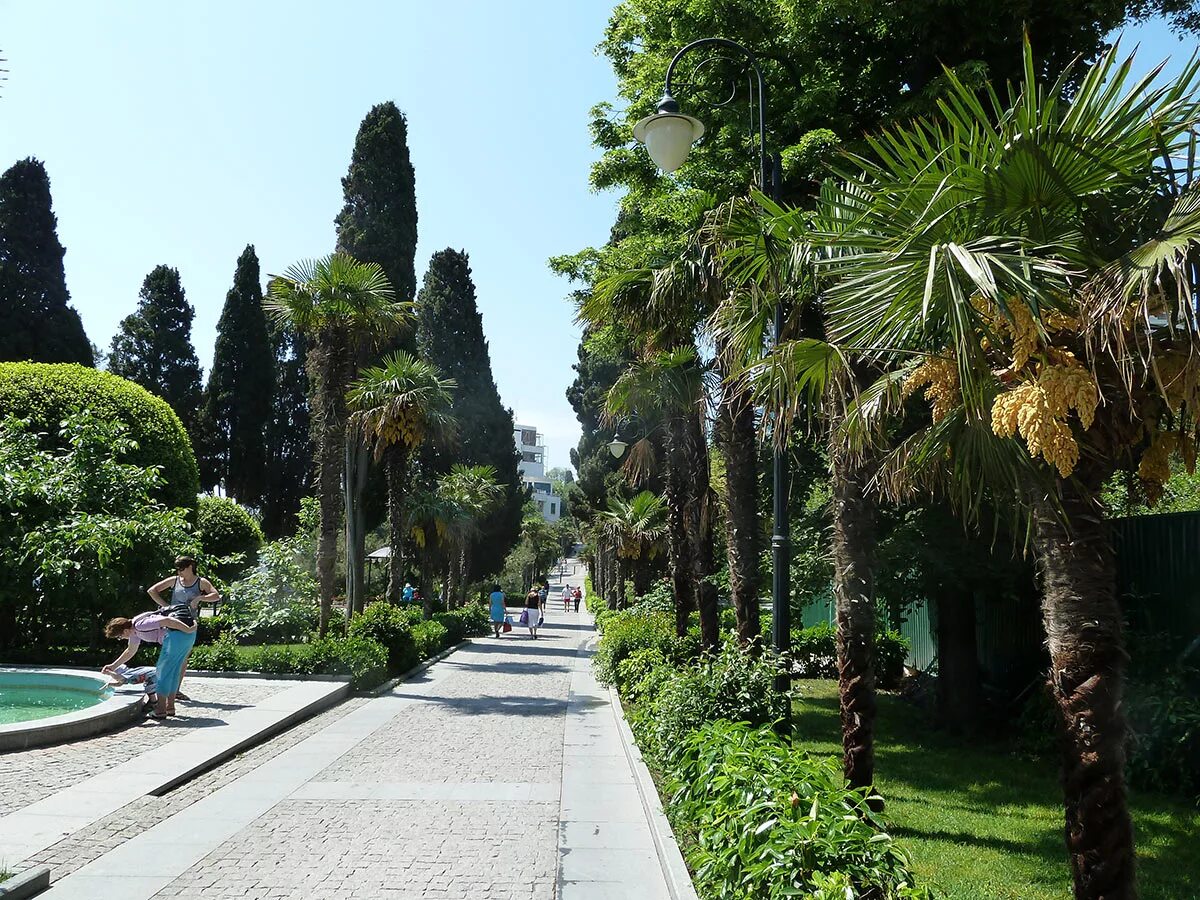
{"x": 179, "y": 132}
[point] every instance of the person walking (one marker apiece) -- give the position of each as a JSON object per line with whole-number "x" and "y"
{"x": 533, "y": 611}
{"x": 566, "y": 598}
{"x": 577, "y": 596}
{"x": 497, "y": 611}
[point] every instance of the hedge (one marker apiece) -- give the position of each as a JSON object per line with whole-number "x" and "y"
{"x": 227, "y": 528}
{"x": 46, "y": 393}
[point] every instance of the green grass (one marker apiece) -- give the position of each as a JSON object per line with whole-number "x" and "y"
{"x": 981, "y": 823}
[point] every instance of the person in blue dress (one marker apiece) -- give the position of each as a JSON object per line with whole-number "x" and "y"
{"x": 407, "y": 594}
{"x": 498, "y": 611}
{"x": 188, "y": 591}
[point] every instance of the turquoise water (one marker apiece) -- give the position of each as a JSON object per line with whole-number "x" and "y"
{"x": 27, "y": 696}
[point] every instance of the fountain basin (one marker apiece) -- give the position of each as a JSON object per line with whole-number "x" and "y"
{"x": 49, "y": 706}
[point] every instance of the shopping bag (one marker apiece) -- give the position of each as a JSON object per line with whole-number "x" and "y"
{"x": 524, "y": 620}
{"x": 506, "y": 627}
{"x": 541, "y": 621}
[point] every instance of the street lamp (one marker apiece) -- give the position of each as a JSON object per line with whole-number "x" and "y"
{"x": 617, "y": 447}
{"x": 668, "y": 135}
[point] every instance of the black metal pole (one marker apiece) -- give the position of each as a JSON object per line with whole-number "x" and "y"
{"x": 769, "y": 175}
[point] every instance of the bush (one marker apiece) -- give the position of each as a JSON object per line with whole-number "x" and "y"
{"x": 1164, "y": 718}
{"x": 814, "y": 652}
{"x": 761, "y": 821}
{"x": 386, "y": 624}
{"x": 48, "y": 393}
{"x": 229, "y": 536}
{"x": 362, "y": 658}
{"x": 276, "y": 660}
{"x": 210, "y": 628}
{"x": 219, "y": 656}
{"x": 277, "y": 602}
{"x": 466, "y": 621}
{"x": 431, "y": 638}
{"x": 630, "y": 630}
{"x": 641, "y": 673}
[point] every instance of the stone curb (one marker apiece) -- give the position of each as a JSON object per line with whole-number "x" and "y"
{"x": 26, "y": 884}
{"x": 415, "y": 670}
{"x": 679, "y": 880}
{"x": 199, "y": 673}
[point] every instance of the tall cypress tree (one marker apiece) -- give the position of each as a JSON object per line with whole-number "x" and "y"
{"x": 450, "y": 335}
{"x": 378, "y": 222}
{"x": 154, "y": 346}
{"x": 237, "y": 402}
{"x": 39, "y": 323}
{"x": 289, "y": 451}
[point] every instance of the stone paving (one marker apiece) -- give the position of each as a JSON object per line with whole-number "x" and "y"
{"x": 31, "y": 775}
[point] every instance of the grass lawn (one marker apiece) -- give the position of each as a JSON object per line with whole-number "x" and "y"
{"x": 981, "y": 823}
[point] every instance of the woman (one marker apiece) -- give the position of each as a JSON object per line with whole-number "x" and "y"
{"x": 498, "y": 612}
{"x": 533, "y": 611}
{"x": 178, "y": 640}
{"x": 186, "y": 587}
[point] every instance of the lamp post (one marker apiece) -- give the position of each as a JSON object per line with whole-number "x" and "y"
{"x": 668, "y": 136}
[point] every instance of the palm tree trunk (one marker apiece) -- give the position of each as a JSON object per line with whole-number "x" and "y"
{"x": 326, "y": 364}
{"x": 1082, "y": 619}
{"x": 620, "y": 567}
{"x": 353, "y": 485}
{"x": 464, "y": 569}
{"x": 396, "y": 464}
{"x": 641, "y": 576}
{"x": 739, "y": 440}
{"x": 678, "y": 546}
{"x": 698, "y": 522}
{"x": 854, "y": 591}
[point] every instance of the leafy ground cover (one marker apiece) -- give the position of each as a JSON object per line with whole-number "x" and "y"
{"x": 980, "y": 822}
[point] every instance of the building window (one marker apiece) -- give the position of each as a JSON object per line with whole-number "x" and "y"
{"x": 529, "y": 436}
{"x": 542, "y": 487}
{"x": 541, "y": 506}
{"x": 528, "y": 456}
{"x": 552, "y": 509}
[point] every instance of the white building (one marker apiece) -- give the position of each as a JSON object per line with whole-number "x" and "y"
{"x": 533, "y": 471}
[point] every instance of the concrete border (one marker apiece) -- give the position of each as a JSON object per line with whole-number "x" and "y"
{"x": 415, "y": 670}
{"x": 119, "y": 709}
{"x": 26, "y": 884}
{"x": 675, "y": 870}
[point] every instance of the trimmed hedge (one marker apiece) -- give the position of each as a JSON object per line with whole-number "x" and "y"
{"x": 431, "y": 638}
{"x": 388, "y": 625}
{"x": 227, "y": 528}
{"x": 46, "y": 393}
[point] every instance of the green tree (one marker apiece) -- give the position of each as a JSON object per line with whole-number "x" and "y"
{"x": 397, "y": 405}
{"x": 472, "y": 493}
{"x": 340, "y": 304}
{"x": 153, "y": 347}
{"x": 635, "y": 528}
{"x": 450, "y": 336}
{"x": 39, "y": 323}
{"x": 288, "y": 434}
{"x": 237, "y": 402}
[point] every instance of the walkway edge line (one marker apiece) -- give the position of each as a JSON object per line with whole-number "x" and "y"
{"x": 679, "y": 880}
{"x": 415, "y": 670}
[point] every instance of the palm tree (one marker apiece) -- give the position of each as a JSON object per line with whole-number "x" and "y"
{"x": 635, "y": 529}
{"x": 398, "y": 405}
{"x": 1020, "y": 261}
{"x": 341, "y": 305}
{"x": 472, "y": 492}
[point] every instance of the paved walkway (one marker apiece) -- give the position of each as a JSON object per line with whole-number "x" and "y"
{"x": 495, "y": 775}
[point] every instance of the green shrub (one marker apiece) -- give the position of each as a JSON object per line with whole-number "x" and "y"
{"x": 762, "y": 821}
{"x": 219, "y": 656}
{"x": 412, "y": 614}
{"x": 891, "y": 649}
{"x": 1164, "y": 719}
{"x": 386, "y": 624}
{"x": 630, "y": 630}
{"x": 814, "y": 651}
{"x": 277, "y": 602}
{"x": 48, "y": 393}
{"x": 660, "y": 597}
{"x": 229, "y": 536}
{"x": 210, "y": 628}
{"x": 283, "y": 660}
{"x": 641, "y": 673}
{"x": 362, "y": 658}
{"x": 431, "y": 638}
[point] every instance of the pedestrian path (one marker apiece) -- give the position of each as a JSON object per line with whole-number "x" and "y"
{"x": 496, "y": 774}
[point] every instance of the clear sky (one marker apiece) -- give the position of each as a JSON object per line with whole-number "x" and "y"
{"x": 179, "y": 132}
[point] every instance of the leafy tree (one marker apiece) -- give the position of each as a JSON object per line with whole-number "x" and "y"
{"x": 228, "y": 534}
{"x": 450, "y": 336}
{"x": 39, "y": 322}
{"x": 398, "y": 404}
{"x": 237, "y": 402}
{"x": 288, "y": 434}
{"x": 153, "y": 347}
{"x": 80, "y": 530}
{"x": 635, "y": 528}
{"x": 340, "y": 304}
{"x": 471, "y": 493}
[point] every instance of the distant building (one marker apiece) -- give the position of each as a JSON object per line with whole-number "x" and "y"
{"x": 532, "y": 448}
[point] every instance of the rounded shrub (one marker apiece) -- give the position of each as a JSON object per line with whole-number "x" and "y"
{"x": 227, "y": 529}
{"x": 388, "y": 625}
{"x": 431, "y": 638}
{"x": 362, "y": 658}
{"x": 46, "y": 393}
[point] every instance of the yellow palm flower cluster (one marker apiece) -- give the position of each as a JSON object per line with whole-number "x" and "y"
{"x": 1154, "y": 470}
{"x": 941, "y": 377}
{"x": 1038, "y": 410}
{"x": 1180, "y": 377}
{"x": 404, "y": 429}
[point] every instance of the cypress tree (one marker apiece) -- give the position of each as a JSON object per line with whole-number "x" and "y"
{"x": 450, "y": 335}
{"x": 153, "y": 346}
{"x": 378, "y": 222}
{"x": 289, "y": 454}
{"x": 237, "y": 402}
{"x": 38, "y": 322}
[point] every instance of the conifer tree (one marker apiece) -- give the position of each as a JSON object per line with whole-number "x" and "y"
{"x": 153, "y": 346}
{"x": 39, "y": 323}
{"x": 289, "y": 453}
{"x": 237, "y": 402}
{"x": 450, "y": 336}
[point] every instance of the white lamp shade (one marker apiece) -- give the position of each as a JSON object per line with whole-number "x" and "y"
{"x": 668, "y": 138}
{"x": 617, "y": 447}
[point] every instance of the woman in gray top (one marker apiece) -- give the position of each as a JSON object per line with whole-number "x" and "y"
{"x": 186, "y": 587}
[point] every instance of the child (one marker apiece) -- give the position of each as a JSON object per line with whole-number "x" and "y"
{"x": 146, "y": 675}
